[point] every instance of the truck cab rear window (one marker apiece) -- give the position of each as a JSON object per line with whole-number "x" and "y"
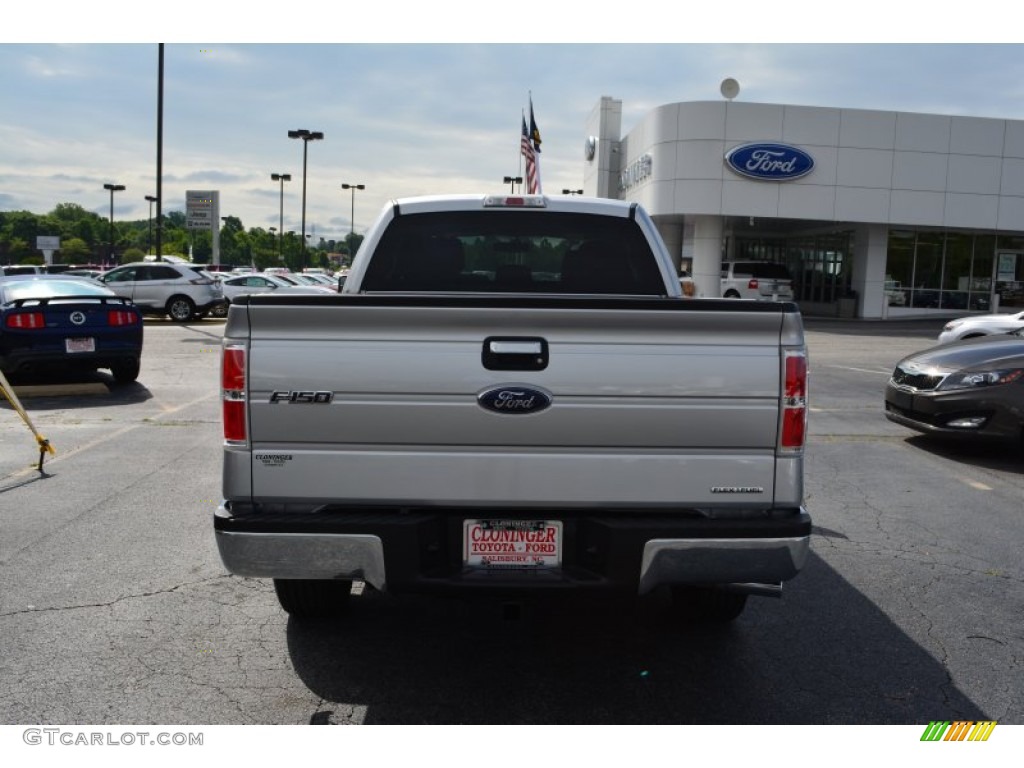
{"x": 513, "y": 252}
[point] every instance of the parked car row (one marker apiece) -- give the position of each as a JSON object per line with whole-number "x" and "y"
{"x": 971, "y": 383}
{"x": 94, "y": 321}
{"x": 261, "y": 282}
{"x": 181, "y": 291}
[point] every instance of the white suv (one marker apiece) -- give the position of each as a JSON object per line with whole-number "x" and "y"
{"x": 764, "y": 280}
{"x": 181, "y": 291}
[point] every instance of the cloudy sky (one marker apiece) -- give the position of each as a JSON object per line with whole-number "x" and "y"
{"x": 419, "y": 110}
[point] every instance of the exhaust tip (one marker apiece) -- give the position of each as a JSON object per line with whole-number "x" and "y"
{"x": 760, "y": 590}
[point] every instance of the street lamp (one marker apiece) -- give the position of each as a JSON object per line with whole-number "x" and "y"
{"x": 572, "y": 191}
{"x": 352, "y": 216}
{"x": 306, "y": 136}
{"x": 282, "y": 177}
{"x": 113, "y": 188}
{"x": 513, "y": 180}
{"x": 149, "y": 242}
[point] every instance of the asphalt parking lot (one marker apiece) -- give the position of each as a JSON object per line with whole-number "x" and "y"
{"x": 116, "y": 608}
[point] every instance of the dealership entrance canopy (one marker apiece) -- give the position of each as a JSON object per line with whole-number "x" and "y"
{"x": 875, "y": 214}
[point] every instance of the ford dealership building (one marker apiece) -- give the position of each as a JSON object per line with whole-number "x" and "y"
{"x": 875, "y": 214}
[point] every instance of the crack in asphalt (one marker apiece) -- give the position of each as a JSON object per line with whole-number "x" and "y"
{"x": 115, "y": 601}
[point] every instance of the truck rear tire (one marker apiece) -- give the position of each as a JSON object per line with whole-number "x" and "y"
{"x": 312, "y": 598}
{"x": 706, "y": 605}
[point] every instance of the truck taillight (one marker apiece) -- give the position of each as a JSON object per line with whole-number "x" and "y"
{"x": 232, "y": 382}
{"x": 752, "y": 285}
{"x": 794, "y": 401}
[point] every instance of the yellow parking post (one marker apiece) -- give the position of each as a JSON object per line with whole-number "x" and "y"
{"x": 44, "y": 444}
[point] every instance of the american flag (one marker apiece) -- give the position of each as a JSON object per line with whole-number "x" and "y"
{"x": 530, "y": 146}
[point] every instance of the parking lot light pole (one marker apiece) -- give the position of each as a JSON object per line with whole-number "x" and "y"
{"x": 352, "y": 215}
{"x": 283, "y": 177}
{"x": 113, "y": 188}
{"x": 513, "y": 180}
{"x": 306, "y": 136}
{"x": 149, "y": 238}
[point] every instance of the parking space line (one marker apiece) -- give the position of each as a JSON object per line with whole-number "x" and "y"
{"x": 112, "y": 436}
{"x": 885, "y": 372}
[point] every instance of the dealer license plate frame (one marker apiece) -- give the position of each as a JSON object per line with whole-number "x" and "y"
{"x": 514, "y": 544}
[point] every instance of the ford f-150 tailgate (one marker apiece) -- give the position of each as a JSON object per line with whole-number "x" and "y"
{"x": 518, "y": 402}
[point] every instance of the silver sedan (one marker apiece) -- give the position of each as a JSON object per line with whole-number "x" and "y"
{"x": 243, "y": 285}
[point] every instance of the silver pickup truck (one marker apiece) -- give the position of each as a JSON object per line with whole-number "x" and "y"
{"x": 510, "y": 394}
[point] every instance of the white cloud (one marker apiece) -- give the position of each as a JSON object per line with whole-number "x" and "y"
{"x": 406, "y": 119}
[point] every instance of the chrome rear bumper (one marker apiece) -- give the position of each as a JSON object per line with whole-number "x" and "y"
{"x": 754, "y": 565}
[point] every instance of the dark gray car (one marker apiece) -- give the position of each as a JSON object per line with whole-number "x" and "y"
{"x": 973, "y": 387}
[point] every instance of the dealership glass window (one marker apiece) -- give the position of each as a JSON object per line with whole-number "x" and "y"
{"x": 956, "y": 270}
{"x": 899, "y": 268}
{"x": 950, "y": 270}
{"x": 927, "y": 270}
{"x": 981, "y": 273}
{"x": 1008, "y": 269}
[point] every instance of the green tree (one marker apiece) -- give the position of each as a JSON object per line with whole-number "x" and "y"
{"x": 21, "y": 225}
{"x": 86, "y": 230}
{"x": 20, "y": 252}
{"x": 202, "y": 246}
{"x": 233, "y": 244}
{"x": 71, "y": 213}
{"x": 132, "y": 254}
{"x": 352, "y": 243}
{"x": 174, "y": 220}
{"x": 74, "y": 250}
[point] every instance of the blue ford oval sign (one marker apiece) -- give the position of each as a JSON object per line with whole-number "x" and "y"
{"x": 770, "y": 162}
{"x": 512, "y": 399}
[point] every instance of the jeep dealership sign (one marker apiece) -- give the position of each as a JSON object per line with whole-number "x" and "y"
{"x": 769, "y": 162}
{"x": 202, "y": 209}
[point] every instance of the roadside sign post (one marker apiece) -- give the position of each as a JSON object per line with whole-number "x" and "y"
{"x": 47, "y": 245}
{"x": 202, "y": 211}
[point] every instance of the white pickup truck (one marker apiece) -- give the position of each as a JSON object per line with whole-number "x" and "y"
{"x": 510, "y": 394}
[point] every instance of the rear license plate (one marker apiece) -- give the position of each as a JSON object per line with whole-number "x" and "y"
{"x": 85, "y": 344}
{"x": 512, "y": 543}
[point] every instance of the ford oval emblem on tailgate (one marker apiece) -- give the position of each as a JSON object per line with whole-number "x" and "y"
{"x": 514, "y": 399}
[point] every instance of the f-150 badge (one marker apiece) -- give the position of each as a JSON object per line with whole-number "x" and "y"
{"x": 300, "y": 396}
{"x": 513, "y": 399}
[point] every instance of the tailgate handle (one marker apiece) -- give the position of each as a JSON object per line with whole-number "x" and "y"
{"x": 506, "y": 353}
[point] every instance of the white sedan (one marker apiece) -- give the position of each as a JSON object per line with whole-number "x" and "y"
{"x": 243, "y": 285}
{"x": 980, "y": 325}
